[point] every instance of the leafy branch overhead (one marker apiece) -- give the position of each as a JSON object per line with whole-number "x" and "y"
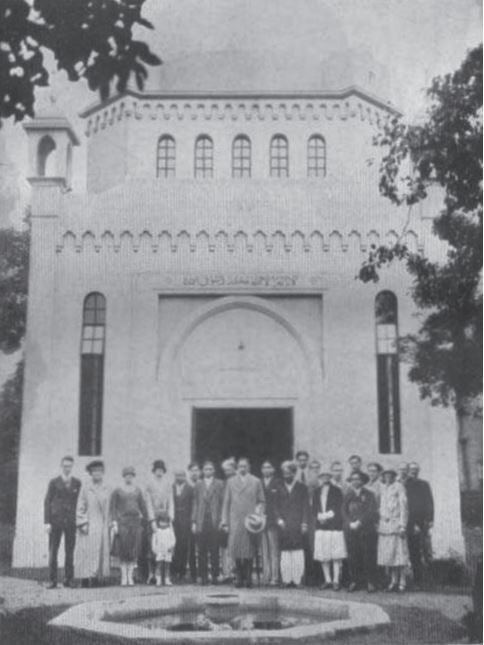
{"x": 90, "y": 39}
{"x": 445, "y": 150}
{"x": 14, "y": 272}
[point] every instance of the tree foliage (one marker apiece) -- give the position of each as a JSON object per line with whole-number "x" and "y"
{"x": 14, "y": 270}
{"x": 89, "y": 39}
{"x": 445, "y": 150}
{"x": 10, "y": 414}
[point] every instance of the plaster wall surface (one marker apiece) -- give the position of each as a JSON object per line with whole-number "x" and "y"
{"x": 190, "y": 270}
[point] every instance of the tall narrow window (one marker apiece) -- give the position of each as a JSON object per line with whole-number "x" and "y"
{"x": 166, "y": 157}
{"x": 279, "y": 156}
{"x": 46, "y": 157}
{"x": 92, "y": 374}
{"x": 386, "y": 317}
{"x": 316, "y": 156}
{"x": 204, "y": 157}
{"x": 241, "y": 156}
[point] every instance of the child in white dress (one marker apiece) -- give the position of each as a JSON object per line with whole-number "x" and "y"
{"x": 162, "y": 545}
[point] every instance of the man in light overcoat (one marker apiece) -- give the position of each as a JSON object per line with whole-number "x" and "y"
{"x": 244, "y": 496}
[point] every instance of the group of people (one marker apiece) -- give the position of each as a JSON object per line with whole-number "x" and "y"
{"x": 308, "y": 525}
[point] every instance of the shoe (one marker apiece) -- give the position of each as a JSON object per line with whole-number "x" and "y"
{"x": 69, "y": 584}
{"x": 168, "y": 583}
{"x": 391, "y": 587}
{"x": 353, "y": 587}
{"x": 326, "y": 585}
{"x": 336, "y": 586}
{"x": 401, "y": 589}
{"x": 371, "y": 588}
{"x": 52, "y": 585}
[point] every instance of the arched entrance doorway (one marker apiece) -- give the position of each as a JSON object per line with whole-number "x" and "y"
{"x": 243, "y": 377}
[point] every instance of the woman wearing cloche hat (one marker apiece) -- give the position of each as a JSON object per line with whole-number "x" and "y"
{"x": 329, "y": 543}
{"x": 92, "y": 541}
{"x": 127, "y": 511}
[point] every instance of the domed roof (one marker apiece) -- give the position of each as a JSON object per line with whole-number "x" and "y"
{"x": 256, "y": 46}
{"x": 259, "y": 71}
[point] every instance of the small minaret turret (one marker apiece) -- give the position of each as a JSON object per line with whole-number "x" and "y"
{"x": 51, "y": 139}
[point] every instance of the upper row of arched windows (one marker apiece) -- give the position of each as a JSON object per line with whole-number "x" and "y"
{"x": 241, "y": 156}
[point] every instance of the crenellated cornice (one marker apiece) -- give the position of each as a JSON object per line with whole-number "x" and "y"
{"x": 259, "y": 241}
{"x": 343, "y": 106}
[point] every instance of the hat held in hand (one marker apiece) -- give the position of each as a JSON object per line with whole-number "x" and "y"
{"x": 255, "y": 523}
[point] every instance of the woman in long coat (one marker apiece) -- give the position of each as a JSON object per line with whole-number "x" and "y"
{"x": 392, "y": 530}
{"x": 244, "y": 496}
{"x": 127, "y": 511}
{"x": 92, "y": 556}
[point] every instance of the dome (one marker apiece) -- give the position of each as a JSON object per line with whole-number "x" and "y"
{"x": 249, "y": 71}
{"x": 256, "y": 46}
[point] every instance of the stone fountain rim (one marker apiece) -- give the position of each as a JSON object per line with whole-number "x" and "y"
{"x": 361, "y": 616}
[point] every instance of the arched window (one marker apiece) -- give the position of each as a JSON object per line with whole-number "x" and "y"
{"x": 204, "y": 157}
{"x": 166, "y": 157}
{"x": 92, "y": 374}
{"x": 241, "y": 156}
{"x": 279, "y": 156}
{"x": 386, "y": 319}
{"x": 316, "y": 156}
{"x": 45, "y": 157}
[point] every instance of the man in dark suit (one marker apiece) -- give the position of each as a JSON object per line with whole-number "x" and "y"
{"x": 183, "y": 504}
{"x": 194, "y": 476}
{"x": 356, "y": 463}
{"x": 360, "y": 515}
{"x": 292, "y": 520}
{"x": 270, "y": 537}
{"x": 206, "y": 517}
{"x": 60, "y": 520}
{"x": 420, "y": 520}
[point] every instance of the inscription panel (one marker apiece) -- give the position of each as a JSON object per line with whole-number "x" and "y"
{"x": 232, "y": 282}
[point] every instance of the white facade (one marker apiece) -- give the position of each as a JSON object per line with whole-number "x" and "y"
{"x": 220, "y": 293}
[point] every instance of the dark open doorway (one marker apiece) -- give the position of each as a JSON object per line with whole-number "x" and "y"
{"x": 256, "y": 433}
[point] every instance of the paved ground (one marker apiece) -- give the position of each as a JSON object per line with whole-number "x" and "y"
{"x": 17, "y": 594}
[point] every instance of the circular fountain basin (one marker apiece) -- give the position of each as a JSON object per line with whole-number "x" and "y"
{"x": 215, "y": 619}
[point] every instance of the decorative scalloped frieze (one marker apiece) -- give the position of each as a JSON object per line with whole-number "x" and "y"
{"x": 203, "y": 241}
{"x": 235, "y": 110}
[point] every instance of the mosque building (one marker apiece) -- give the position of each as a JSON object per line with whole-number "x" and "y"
{"x": 199, "y": 299}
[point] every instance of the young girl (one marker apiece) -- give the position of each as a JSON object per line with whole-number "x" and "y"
{"x": 162, "y": 545}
